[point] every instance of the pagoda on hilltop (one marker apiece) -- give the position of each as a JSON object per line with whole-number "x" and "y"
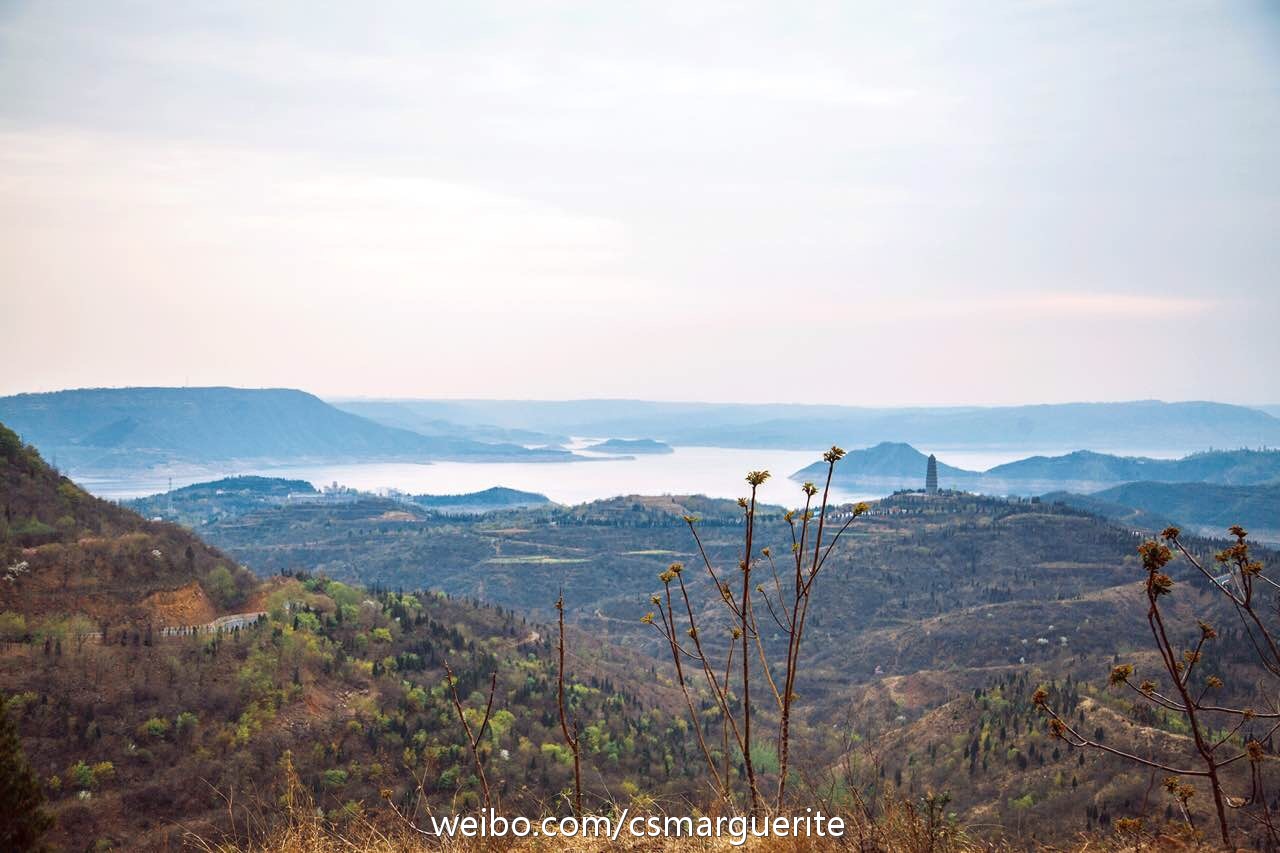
{"x": 931, "y": 476}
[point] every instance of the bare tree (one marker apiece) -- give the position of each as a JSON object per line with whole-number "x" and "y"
{"x": 571, "y": 740}
{"x": 1215, "y": 729}
{"x": 474, "y": 739}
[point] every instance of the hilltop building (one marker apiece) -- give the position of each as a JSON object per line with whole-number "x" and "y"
{"x": 931, "y": 476}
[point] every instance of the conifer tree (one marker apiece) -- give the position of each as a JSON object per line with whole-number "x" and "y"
{"x": 23, "y": 819}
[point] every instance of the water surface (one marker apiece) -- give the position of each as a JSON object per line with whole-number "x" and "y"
{"x": 714, "y": 471}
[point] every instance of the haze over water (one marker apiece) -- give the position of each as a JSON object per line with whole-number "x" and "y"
{"x": 713, "y": 471}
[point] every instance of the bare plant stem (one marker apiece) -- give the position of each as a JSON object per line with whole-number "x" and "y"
{"x": 669, "y": 625}
{"x": 1207, "y": 738}
{"x": 570, "y": 739}
{"x": 746, "y": 656}
{"x": 473, "y": 740}
{"x": 746, "y": 632}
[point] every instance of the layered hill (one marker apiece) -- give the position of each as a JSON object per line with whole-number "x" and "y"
{"x": 959, "y": 580}
{"x": 1130, "y": 517}
{"x": 325, "y": 693}
{"x": 109, "y": 429}
{"x": 1230, "y": 467}
{"x": 1207, "y": 508}
{"x": 407, "y": 414}
{"x": 886, "y": 461}
{"x": 202, "y": 504}
{"x": 901, "y": 465}
{"x": 487, "y": 500}
{"x": 63, "y": 551}
{"x": 933, "y": 620}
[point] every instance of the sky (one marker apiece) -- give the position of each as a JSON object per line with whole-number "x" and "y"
{"x": 873, "y": 203}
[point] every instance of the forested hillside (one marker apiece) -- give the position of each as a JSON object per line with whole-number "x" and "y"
{"x": 1230, "y": 467}
{"x": 65, "y": 552}
{"x": 1202, "y": 507}
{"x": 935, "y": 624}
{"x": 142, "y": 719}
{"x": 339, "y": 689}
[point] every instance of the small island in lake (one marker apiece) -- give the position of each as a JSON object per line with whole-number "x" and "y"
{"x": 631, "y": 446}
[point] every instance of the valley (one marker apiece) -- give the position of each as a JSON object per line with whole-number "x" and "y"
{"x": 935, "y": 623}
{"x": 515, "y": 427}
{"x": 301, "y": 652}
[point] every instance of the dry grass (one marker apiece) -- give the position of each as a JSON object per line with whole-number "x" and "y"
{"x": 888, "y": 838}
{"x": 900, "y": 827}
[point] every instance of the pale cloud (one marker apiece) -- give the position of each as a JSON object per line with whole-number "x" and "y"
{"x": 990, "y": 203}
{"x": 1077, "y": 305}
{"x": 103, "y": 188}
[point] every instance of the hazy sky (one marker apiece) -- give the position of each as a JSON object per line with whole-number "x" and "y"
{"x": 854, "y": 202}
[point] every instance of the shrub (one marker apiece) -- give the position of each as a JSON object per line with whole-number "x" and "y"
{"x": 81, "y": 775}
{"x": 13, "y": 627}
{"x": 156, "y": 727}
{"x": 221, "y": 587}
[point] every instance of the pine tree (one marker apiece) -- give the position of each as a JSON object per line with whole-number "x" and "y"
{"x": 22, "y": 819}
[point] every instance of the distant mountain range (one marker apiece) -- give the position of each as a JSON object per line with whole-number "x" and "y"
{"x": 420, "y": 418}
{"x": 117, "y": 429}
{"x": 1139, "y": 425}
{"x": 103, "y": 431}
{"x": 892, "y": 463}
{"x": 636, "y": 446}
{"x": 1236, "y": 467}
{"x": 1204, "y": 492}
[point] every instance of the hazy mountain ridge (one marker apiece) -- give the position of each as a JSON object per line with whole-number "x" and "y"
{"x": 631, "y": 446}
{"x": 130, "y": 428}
{"x": 1141, "y": 424}
{"x": 404, "y": 414}
{"x": 1232, "y": 467}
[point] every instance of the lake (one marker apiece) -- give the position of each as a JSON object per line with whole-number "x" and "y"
{"x": 713, "y": 471}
